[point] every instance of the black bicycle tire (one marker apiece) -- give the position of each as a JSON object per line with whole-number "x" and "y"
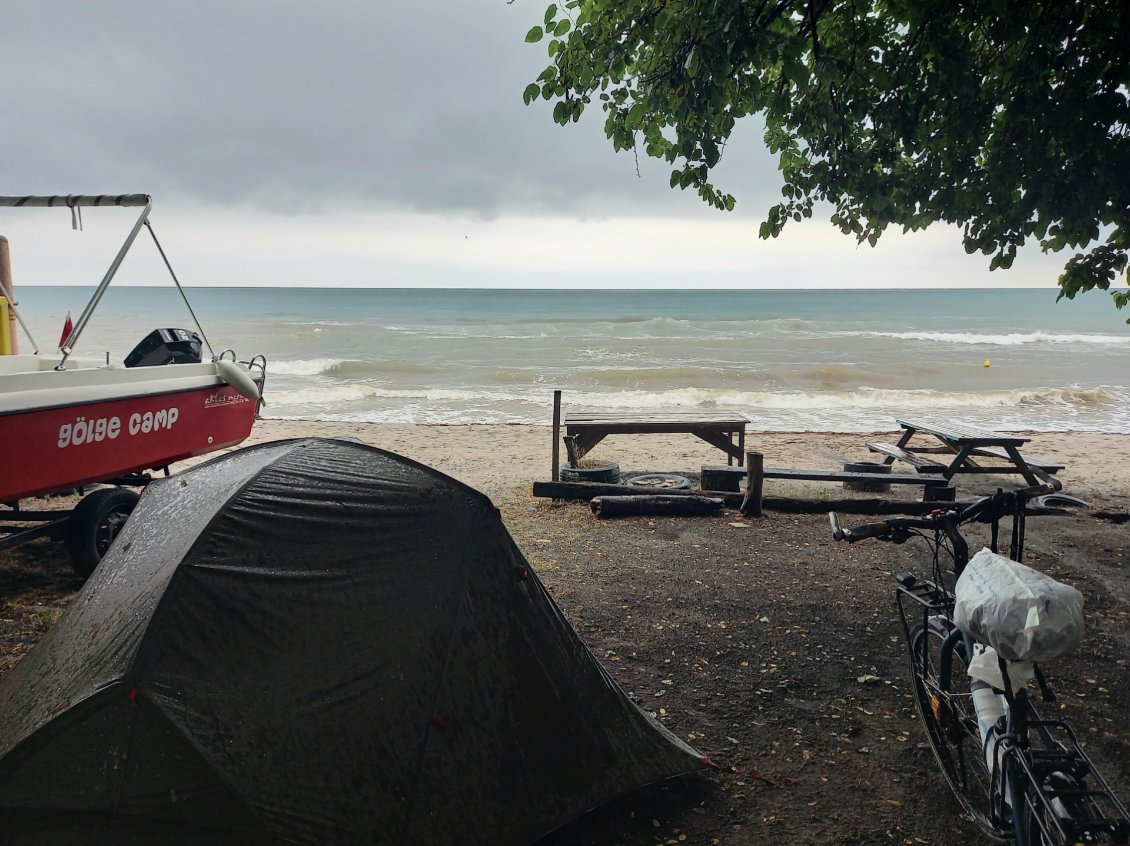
{"x": 1079, "y": 807}
{"x": 1034, "y": 835}
{"x": 960, "y": 758}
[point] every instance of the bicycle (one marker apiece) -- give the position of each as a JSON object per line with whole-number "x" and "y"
{"x": 1019, "y": 776}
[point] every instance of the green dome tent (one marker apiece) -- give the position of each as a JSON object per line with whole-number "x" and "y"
{"x": 315, "y": 641}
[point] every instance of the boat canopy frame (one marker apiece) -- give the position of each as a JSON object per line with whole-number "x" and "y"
{"x": 76, "y": 202}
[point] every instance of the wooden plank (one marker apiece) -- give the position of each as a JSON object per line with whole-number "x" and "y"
{"x": 1039, "y": 463}
{"x": 828, "y": 475}
{"x": 603, "y": 418}
{"x": 588, "y": 490}
{"x": 643, "y": 427}
{"x": 843, "y": 476}
{"x": 924, "y": 465}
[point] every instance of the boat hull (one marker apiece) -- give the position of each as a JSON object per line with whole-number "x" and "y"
{"x": 60, "y": 447}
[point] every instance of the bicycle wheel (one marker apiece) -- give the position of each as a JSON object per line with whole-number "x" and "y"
{"x": 1067, "y": 813}
{"x": 1037, "y": 826}
{"x": 951, "y": 724}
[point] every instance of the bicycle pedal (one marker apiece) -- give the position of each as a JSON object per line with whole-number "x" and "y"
{"x": 907, "y": 579}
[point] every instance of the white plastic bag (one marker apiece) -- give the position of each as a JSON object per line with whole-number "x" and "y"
{"x": 1022, "y": 613}
{"x": 987, "y": 668}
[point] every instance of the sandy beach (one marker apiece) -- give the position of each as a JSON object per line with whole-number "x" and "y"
{"x": 503, "y": 461}
{"x": 774, "y": 651}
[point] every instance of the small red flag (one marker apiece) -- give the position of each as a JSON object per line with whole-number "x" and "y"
{"x": 68, "y": 326}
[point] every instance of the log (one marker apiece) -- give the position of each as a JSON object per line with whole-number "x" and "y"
{"x": 655, "y": 504}
{"x": 588, "y": 490}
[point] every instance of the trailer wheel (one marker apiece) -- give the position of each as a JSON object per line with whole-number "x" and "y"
{"x": 94, "y": 524}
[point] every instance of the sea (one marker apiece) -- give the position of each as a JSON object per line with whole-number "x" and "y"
{"x": 804, "y": 360}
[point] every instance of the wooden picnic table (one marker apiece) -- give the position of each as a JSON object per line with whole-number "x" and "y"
{"x": 953, "y": 447}
{"x": 725, "y": 431}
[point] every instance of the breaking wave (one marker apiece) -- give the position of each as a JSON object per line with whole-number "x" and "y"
{"x": 1011, "y": 339}
{"x": 345, "y": 368}
{"x": 866, "y": 409}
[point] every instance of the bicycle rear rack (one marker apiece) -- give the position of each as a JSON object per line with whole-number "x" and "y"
{"x": 931, "y": 598}
{"x": 1072, "y": 801}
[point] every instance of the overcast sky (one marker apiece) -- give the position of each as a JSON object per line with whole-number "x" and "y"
{"x": 373, "y": 144}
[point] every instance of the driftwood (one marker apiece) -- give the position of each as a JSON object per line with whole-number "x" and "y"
{"x": 660, "y": 504}
{"x": 588, "y": 490}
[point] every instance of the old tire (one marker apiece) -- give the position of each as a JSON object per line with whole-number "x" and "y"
{"x": 597, "y": 471}
{"x": 867, "y": 485}
{"x": 660, "y": 482}
{"x": 94, "y": 524}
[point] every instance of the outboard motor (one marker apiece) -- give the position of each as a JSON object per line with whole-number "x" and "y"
{"x": 166, "y": 346}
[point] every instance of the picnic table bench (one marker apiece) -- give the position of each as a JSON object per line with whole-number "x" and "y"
{"x": 725, "y": 431}
{"x": 955, "y": 448}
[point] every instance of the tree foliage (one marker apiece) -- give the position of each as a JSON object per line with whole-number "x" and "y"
{"x": 1005, "y": 117}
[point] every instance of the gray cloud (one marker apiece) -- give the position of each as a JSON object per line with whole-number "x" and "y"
{"x": 305, "y": 105}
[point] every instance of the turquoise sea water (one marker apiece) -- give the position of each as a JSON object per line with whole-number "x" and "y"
{"x": 790, "y": 360}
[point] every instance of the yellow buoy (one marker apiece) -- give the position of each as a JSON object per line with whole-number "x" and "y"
{"x": 986, "y": 364}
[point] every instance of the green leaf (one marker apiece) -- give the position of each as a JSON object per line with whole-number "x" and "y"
{"x": 534, "y": 35}
{"x": 550, "y": 13}
{"x": 531, "y": 93}
{"x": 562, "y": 27}
{"x": 636, "y": 114}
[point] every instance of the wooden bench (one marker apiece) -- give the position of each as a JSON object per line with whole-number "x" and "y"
{"x": 727, "y": 432}
{"x": 915, "y": 459}
{"x": 1032, "y": 461}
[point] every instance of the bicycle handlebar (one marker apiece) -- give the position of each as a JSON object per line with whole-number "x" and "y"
{"x": 863, "y": 531}
{"x": 986, "y": 509}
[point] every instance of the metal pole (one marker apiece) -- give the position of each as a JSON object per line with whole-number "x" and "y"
{"x": 80, "y": 324}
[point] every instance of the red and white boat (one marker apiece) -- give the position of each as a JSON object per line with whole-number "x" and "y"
{"x": 67, "y": 422}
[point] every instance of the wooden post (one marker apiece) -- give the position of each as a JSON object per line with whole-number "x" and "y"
{"x": 755, "y": 481}
{"x": 556, "y": 436}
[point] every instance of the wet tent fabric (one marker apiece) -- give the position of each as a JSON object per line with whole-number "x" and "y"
{"x": 315, "y": 641}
